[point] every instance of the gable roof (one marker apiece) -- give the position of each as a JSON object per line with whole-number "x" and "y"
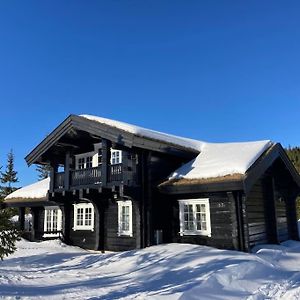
{"x": 118, "y": 132}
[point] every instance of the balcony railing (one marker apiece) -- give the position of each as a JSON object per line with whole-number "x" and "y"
{"x": 115, "y": 173}
{"x": 88, "y": 176}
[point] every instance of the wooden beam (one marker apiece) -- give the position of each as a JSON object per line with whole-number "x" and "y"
{"x": 106, "y": 145}
{"x": 67, "y": 171}
{"x": 291, "y": 212}
{"x": 53, "y": 171}
{"x": 244, "y": 223}
{"x": 234, "y": 221}
{"x": 22, "y": 218}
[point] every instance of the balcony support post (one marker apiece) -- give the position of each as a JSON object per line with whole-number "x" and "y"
{"x": 125, "y": 167}
{"x": 67, "y": 171}
{"x": 53, "y": 171}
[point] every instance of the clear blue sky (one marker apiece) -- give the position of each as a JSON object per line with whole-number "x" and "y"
{"x": 212, "y": 70}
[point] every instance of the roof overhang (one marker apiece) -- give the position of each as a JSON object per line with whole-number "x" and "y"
{"x": 28, "y": 202}
{"x": 74, "y": 124}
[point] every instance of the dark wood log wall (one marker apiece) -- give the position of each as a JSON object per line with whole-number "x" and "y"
{"x": 222, "y": 218}
{"x": 113, "y": 242}
{"x": 281, "y": 216}
{"x": 256, "y": 215}
{"x": 86, "y": 239}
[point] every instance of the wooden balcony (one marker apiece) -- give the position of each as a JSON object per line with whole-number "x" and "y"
{"x": 85, "y": 177}
{"x": 88, "y": 177}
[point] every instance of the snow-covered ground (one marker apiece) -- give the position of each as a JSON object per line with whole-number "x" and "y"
{"x": 52, "y": 270}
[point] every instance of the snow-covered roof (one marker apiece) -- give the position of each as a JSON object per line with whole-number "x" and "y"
{"x": 148, "y": 133}
{"x": 35, "y": 191}
{"x": 214, "y": 159}
{"x": 222, "y": 159}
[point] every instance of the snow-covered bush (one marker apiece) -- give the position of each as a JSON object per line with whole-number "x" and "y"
{"x": 9, "y": 234}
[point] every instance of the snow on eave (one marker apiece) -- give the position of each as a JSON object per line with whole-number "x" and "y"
{"x": 35, "y": 191}
{"x": 217, "y": 160}
{"x": 195, "y": 145}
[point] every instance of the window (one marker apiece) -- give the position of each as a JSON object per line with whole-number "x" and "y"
{"x": 125, "y": 218}
{"x": 116, "y": 157}
{"x": 52, "y": 221}
{"x": 83, "y": 216}
{"x": 89, "y": 162}
{"x": 194, "y": 217}
{"x": 81, "y": 163}
{"x": 86, "y": 160}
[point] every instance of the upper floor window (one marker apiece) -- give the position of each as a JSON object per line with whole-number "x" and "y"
{"x": 80, "y": 163}
{"x": 194, "y": 217}
{"x": 94, "y": 158}
{"x": 89, "y": 162}
{"x": 116, "y": 157}
{"x": 125, "y": 218}
{"x": 84, "y": 216}
{"x": 84, "y": 161}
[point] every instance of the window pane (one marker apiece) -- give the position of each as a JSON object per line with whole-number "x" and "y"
{"x": 188, "y": 217}
{"x": 124, "y": 218}
{"x": 54, "y": 224}
{"x": 89, "y": 162}
{"x": 80, "y": 216}
{"x": 81, "y": 163}
{"x": 88, "y": 216}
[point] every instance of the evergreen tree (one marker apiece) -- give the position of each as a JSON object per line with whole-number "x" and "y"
{"x": 294, "y": 155}
{"x": 43, "y": 171}
{"x": 9, "y": 234}
{"x": 9, "y": 176}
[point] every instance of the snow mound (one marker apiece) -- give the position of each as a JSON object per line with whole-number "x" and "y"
{"x": 53, "y": 270}
{"x": 37, "y": 190}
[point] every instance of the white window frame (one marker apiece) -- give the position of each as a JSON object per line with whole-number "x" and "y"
{"x": 95, "y": 157}
{"x": 59, "y": 220}
{"x": 194, "y": 202}
{"x": 112, "y": 152}
{"x": 121, "y": 204}
{"x": 83, "y": 206}
{"x": 85, "y": 156}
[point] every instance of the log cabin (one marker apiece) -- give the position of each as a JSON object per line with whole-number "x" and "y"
{"x": 115, "y": 186}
